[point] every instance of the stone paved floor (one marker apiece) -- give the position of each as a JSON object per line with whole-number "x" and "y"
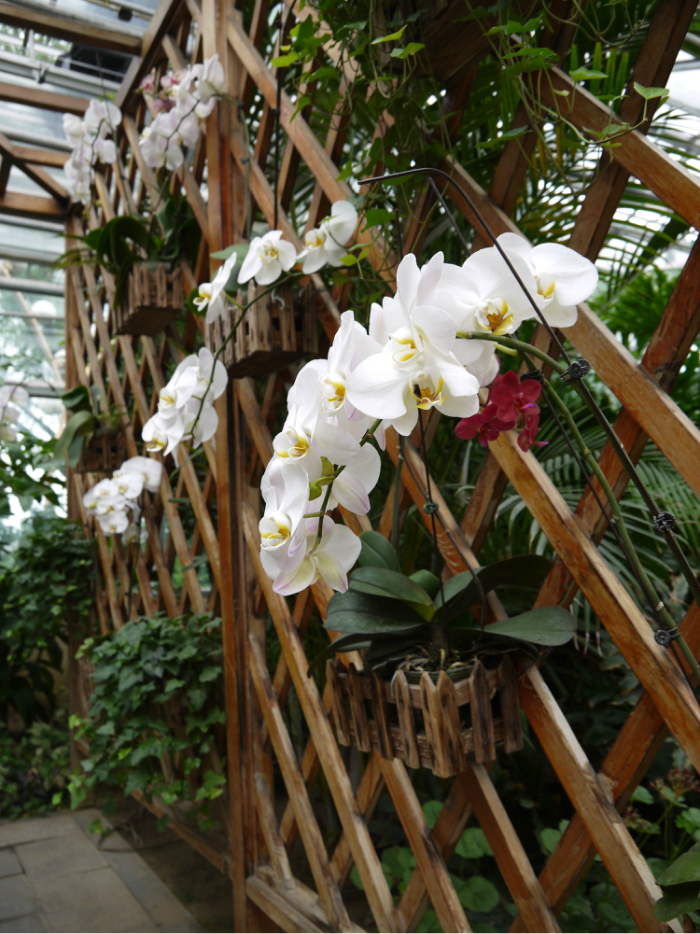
{"x": 55, "y": 876}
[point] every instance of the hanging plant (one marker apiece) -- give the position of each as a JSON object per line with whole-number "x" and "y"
{"x": 93, "y": 438}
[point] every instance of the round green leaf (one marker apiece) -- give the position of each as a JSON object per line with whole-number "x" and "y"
{"x": 376, "y": 551}
{"x": 684, "y": 869}
{"x": 476, "y": 894}
{"x": 678, "y": 900}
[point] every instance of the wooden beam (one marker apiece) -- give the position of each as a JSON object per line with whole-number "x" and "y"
{"x": 34, "y": 172}
{"x": 41, "y": 98}
{"x": 17, "y": 204}
{"x": 41, "y": 156}
{"x": 28, "y": 14}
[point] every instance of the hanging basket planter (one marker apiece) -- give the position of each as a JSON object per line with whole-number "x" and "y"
{"x": 278, "y": 329}
{"x": 437, "y": 723}
{"x": 153, "y": 297}
{"x": 104, "y": 452}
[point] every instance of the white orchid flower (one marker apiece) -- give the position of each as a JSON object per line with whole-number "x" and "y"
{"x": 105, "y": 150}
{"x": 330, "y": 559}
{"x": 267, "y": 258}
{"x": 285, "y": 490}
{"x": 484, "y": 295}
{"x": 161, "y": 436}
{"x": 211, "y": 295}
{"x": 306, "y": 434}
{"x": 130, "y": 484}
{"x": 207, "y": 421}
{"x": 150, "y": 470}
{"x": 192, "y": 377}
{"x": 113, "y": 523}
{"x": 352, "y": 486}
{"x": 564, "y": 278}
{"x": 416, "y": 368}
{"x": 351, "y": 345}
{"x": 102, "y": 117}
{"x": 210, "y": 83}
{"x": 326, "y": 243}
{"x": 74, "y": 128}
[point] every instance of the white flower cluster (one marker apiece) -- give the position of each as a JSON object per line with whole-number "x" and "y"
{"x": 183, "y": 102}
{"x": 111, "y": 500}
{"x": 186, "y": 405}
{"x": 269, "y": 256}
{"x": 89, "y": 138}
{"x": 12, "y": 400}
{"x": 412, "y": 358}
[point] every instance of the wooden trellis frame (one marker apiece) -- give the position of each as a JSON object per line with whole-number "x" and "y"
{"x": 133, "y": 370}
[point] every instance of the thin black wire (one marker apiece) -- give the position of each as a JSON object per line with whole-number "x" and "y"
{"x": 617, "y": 445}
{"x": 278, "y": 108}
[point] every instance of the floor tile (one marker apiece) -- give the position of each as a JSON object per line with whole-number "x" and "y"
{"x": 15, "y": 898}
{"x": 29, "y": 924}
{"x": 38, "y": 828}
{"x": 60, "y": 856}
{"x": 9, "y": 864}
{"x": 90, "y": 901}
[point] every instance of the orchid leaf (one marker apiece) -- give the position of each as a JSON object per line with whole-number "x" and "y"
{"x": 461, "y": 591}
{"x": 77, "y": 399}
{"x": 364, "y": 613}
{"x": 586, "y": 74}
{"x": 81, "y": 422}
{"x": 428, "y": 581}
{"x": 376, "y": 551}
{"x": 385, "y": 583}
{"x": 547, "y": 625}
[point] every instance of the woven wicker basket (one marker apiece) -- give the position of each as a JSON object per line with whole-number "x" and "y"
{"x": 441, "y": 726}
{"x": 278, "y": 329}
{"x": 153, "y": 297}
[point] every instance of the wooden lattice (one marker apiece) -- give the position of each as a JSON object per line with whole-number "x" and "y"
{"x": 131, "y": 369}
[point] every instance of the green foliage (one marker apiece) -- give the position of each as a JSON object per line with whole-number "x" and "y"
{"x": 138, "y": 671}
{"x": 170, "y": 235}
{"x": 45, "y": 580}
{"x": 382, "y": 606}
{"x": 34, "y": 769}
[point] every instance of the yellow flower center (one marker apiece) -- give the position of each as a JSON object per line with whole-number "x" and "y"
{"x": 404, "y": 355}
{"x": 494, "y": 316}
{"x": 428, "y": 396}
{"x": 277, "y": 535}
{"x": 269, "y": 253}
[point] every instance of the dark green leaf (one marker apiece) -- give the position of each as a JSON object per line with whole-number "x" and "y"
{"x": 547, "y": 625}
{"x": 382, "y": 582}
{"x": 678, "y": 900}
{"x": 376, "y": 551}
{"x": 685, "y": 869}
{"x": 361, "y": 613}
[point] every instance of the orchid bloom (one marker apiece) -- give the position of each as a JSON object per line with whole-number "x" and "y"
{"x": 163, "y": 436}
{"x": 211, "y": 295}
{"x": 416, "y": 368}
{"x": 199, "y": 376}
{"x": 210, "y": 83}
{"x": 331, "y": 558}
{"x": 351, "y": 345}
{"x": 282, "y": 530}
{"x": 484, "y": 295}
{"x": 564, "y": 278}
{"x": 150, "y": 470}
{"x": 352, "y": 486}
{"x": 113, "y": 523}
{"x": 306, "y": 434}
{"x": 326, "y": 243}
{"x": 267, "y": 258}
